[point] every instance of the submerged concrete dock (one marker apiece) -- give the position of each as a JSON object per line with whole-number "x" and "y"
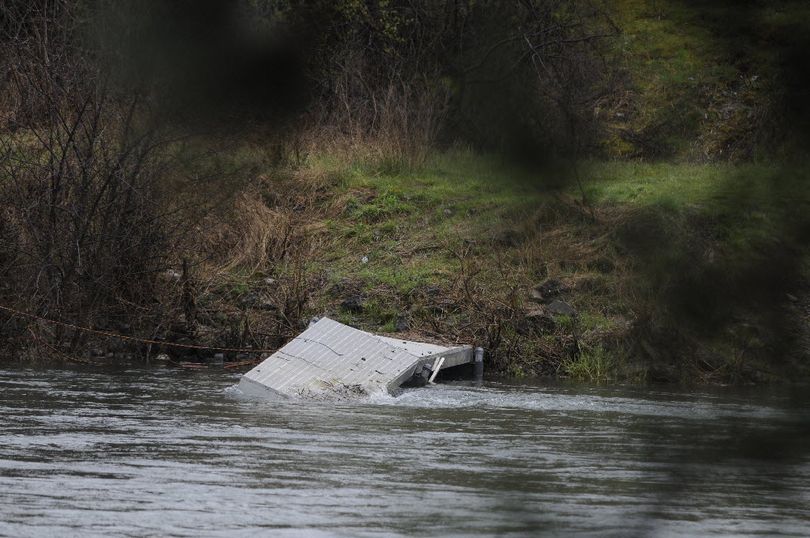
{"x": 332, "y": 360}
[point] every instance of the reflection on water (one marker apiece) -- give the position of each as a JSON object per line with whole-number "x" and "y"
{"x": 165, "y": 452}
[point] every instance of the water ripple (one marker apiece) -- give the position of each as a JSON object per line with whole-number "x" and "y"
{"x": 142, "y": 452}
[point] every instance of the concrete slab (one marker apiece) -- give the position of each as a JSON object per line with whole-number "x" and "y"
{"x": 332, "y": 360}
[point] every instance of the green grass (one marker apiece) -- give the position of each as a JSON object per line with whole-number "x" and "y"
{"x": 596, "y": 321}
{"x": 746, "y": 204}
{"x": 452, "y": 197}
{"x": 593, "y": 364}
{"x": 407, "y": 222}
{"x": 687, "y": 61}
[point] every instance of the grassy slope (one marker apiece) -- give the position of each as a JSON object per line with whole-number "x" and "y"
{"x": 703, "y": 78}
{"x": 663, "y": 269}
{"x": 413, "y": 225}
{"x": 454, "y": 246}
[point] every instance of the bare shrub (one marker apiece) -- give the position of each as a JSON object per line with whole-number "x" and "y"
{"x": 81, "y": 195}
{"x": 88, "y": 186}
{"x": 397, "y": 119}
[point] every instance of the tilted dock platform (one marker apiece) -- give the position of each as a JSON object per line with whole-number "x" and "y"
{"x": 332, "y": 360}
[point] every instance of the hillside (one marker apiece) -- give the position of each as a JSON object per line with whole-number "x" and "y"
{"x": 591, "y": 191}
{"x": 638, "y": 283}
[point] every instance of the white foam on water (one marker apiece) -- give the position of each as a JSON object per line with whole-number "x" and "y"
{"x": 555, "y": 400}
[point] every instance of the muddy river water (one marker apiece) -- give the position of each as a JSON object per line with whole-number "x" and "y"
{"x": 164, "y": 452}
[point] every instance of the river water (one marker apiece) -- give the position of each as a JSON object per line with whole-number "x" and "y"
{"x": 162, "y": 452}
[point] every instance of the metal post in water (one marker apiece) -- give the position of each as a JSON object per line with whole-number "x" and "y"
{"x": 478, "y": 366}
{"x": 437, "y": 365}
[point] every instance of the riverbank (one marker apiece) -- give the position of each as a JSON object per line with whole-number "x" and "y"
{"x": 607, "y": 271}
{"x": 635, "y": 272}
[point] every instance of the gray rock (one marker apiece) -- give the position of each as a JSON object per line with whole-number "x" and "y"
{"x": 401, "y": 324}
{"x": 536, "y": 321}
{"x": 561, "y": 308}
{"x": 249, "y": 299}
{"x": 603, "y": 265}
{"x": 548, "y": 290}
{"x": 509, "y": 238}
{"x": 431, "y": 291}
{"x": 254, "y": 299}
{"x": 353, "y": 304}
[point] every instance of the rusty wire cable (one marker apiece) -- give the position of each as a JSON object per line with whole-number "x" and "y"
{"x": 108, "y": 334}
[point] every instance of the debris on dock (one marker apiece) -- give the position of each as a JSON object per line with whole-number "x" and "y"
{"x": 332, "y": 360}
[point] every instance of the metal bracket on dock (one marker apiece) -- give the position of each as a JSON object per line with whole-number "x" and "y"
{"x": 436, "y": 367}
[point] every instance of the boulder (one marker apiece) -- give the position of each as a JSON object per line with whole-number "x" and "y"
{"x": 353, "y": 304}
{"x": 254, "y": 299}
{"x": 602, "y": 265}
{"x": 561, "y": 308}
{"x": 536, "y": 321}
{"x": 431, "y": 291}
{"x": 548, "y": 290}
{"x": 509, "y": 239}
{"x": 401, "y": 324}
